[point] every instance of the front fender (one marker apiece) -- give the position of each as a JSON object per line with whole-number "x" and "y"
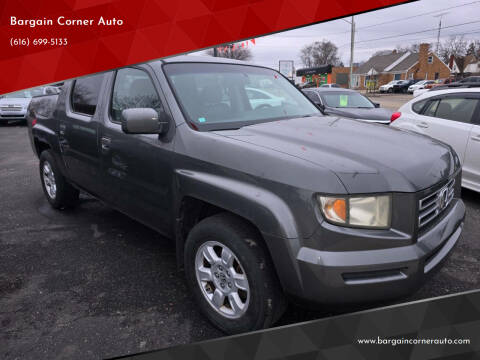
{"x": 260, "y": 206}
{"x": 268, "y": 212}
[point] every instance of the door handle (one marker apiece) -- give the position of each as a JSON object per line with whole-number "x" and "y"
{"x": 423, "y": 125}
{"x": 105, "y": 144}
{"x": 475, "y": 138}
{"x": 62, "y": 128}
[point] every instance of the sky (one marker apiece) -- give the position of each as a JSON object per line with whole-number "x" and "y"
{"x": 391, "y": 22}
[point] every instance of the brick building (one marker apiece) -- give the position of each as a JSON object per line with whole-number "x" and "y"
{"x": 382, "y": 69}
{"x": 340, "y": 75}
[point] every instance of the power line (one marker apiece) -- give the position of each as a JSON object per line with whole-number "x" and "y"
{"x": 412, "y": 33}
{"x": 474, "y": 31}
{"x": 415, "y": 16}
{"x": 404, "y": 18}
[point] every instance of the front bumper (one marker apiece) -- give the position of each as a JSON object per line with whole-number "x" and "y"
{"x": 362, "y": 276}
{"x": 7, "y": 116}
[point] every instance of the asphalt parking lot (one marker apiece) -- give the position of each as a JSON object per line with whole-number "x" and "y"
{"x": 91, "y": 283}
{"x": 389, "y": 101}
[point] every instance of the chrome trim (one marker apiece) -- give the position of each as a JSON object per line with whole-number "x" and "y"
{"x": 435, "y": 203}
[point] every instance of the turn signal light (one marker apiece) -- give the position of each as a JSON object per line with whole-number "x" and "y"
{"x": 395, "y": 116}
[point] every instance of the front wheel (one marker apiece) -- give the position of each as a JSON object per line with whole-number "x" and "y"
{"x": 230, "y": 275}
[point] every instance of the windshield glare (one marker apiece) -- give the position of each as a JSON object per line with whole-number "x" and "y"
{"x": 229, "y": 96}
{"x": 346, "y": 100}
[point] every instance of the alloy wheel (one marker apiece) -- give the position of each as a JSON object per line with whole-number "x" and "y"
{"x": 222, "y": 279}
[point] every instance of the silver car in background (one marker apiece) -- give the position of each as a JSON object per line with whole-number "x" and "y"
{"x": 13, "y": 106}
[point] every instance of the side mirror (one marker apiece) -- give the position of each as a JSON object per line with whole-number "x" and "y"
{"x": 377, "y": 105}
{"x": 142, "y": 121}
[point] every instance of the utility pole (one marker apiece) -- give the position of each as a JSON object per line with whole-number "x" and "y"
{"x": 439, "y": 29}
{"x": 352, "y": 42}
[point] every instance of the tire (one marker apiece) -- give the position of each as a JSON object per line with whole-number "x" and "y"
{"x": 60, "y": 194}
{"x": 263, "y": 301}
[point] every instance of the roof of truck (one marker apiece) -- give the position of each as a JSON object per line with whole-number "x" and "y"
{"x": 207, "y": 59}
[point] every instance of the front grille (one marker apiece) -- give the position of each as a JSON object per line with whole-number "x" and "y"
{"x": 11, "y": 108}
{"x": 435, "y": 203}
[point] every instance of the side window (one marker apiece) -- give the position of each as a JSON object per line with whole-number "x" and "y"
{"x": 457, "y": 109}
{"x": 133, "y": 88}
{"x": 418, "y": 106}
{"x": 431, "y": 108}
{"x": 85, "y": 94}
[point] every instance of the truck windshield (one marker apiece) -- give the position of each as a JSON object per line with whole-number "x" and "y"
{"x": 229, "y": 96}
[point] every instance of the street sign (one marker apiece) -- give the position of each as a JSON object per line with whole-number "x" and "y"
{"x": 285, "y": 67}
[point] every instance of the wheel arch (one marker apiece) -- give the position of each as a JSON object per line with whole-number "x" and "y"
{"x": 202, "y": 195}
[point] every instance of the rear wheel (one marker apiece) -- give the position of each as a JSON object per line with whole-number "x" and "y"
{"x": 59, "y": 193}
{"x": 230, "y": 275}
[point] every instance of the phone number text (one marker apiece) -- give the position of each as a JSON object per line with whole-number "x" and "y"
{"x": 21, "y": 42}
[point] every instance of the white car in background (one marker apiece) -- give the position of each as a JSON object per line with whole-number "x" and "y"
{"x": 388, "y": 87}
{"x": 262, "y": 99}
{"x": 419, "y": 92}
{"x": 452, "y": 116}
{"x": 419, "y": 85}
{"x": 330, "y": 86}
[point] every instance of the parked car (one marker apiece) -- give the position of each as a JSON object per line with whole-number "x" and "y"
{"x": 388, "y": 87}
{"x": 419, "y": 85}
{"x": 468, "y": 82}
{"x": 262, "y": 99}
{"x": 13, "y": 106}
{"x": 438, "y": 82}
{"x": 402, "y": 86}
{"x": 348, "y": 103}
{"x": 452, "y": 116}
{"x": 263, "y": 204}
{"x": 310, "y": 84}
{"x": 330, "y": 86}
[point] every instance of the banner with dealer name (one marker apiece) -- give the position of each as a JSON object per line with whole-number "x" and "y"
{"x": 44, "y": 42}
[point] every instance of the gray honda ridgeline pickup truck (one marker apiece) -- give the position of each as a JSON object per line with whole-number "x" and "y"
{"x": 265, "y": 197}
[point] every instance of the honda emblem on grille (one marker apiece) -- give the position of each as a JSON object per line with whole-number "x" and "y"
{"x": 442, "y": 198}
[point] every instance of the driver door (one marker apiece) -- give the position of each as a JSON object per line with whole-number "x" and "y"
{"x": 137, "y": 168}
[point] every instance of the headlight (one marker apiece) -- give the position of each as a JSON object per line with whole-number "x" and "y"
{"x": 356, "y": 211}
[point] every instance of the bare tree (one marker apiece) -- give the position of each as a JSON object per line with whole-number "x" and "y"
{"x": 454, "y": 45}
{"x": 232, "y": 51}
{"x": 410, "y": 47}
{"x": 319, "y": 53}
{"x": 474, "y": 48}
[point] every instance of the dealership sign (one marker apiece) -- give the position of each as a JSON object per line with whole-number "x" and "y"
{"x": 286, "y": 68}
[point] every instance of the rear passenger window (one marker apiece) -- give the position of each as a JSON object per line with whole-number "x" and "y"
{"x": 133, "y": 88}
{"x": 418, "y": 106}
{"x": 85, "y": 94}
{"x": 431, "y": 108}
{"x": 458, "y": 109}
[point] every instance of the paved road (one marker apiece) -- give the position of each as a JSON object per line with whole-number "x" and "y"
{"x": 91, "y": 283}
{"x": 390, "y": 101}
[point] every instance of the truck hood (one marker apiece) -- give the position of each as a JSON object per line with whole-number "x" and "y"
{"x": 365, "y": 157}
{"x": 359, "y": 113}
